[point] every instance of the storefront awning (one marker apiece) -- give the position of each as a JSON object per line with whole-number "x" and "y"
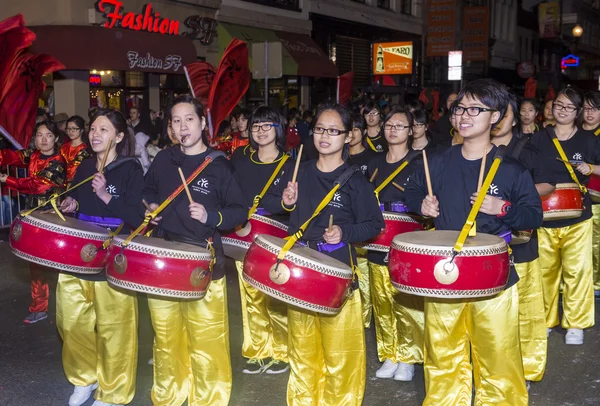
{"x": 301, "y": 55}
{"x": 90, "y": 47}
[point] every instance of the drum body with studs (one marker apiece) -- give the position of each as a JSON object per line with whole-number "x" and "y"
{"x": 305, "y": 278}
{"x": 236, "y": 244}
{"x": 594, "y": 188}
{"x": 159, "y": 267}
{"x": 564, "y": 203}
{"x": 395, "y": 223}
{"x": 421, "y": 264}
{"x": 71, "y": 245}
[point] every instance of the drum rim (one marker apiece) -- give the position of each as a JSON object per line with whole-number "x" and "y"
{"x": 342, "y": 273}
{"x": 57, "y": 265}
{"x": 53, "y": 227}
{"x": 290, "y": 299}
{"x": 500, "y": 247}
{"x": 164, "y": 252}
{"x": 566, "y": 186}
{"x": 558, "y": 214}
{"x": 398, "y": 216}
{"x": 374, "y": 247}
{"x": 447, "y": 293}
{"x": 151, "y": 290}
{"x": 270, "y": 221}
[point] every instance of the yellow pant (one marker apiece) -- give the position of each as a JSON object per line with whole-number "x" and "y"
{"x": 364, "y": 285}
{"x": 484, "y": 331}
{"x": 566, "y": 254}
{"x": 596, "y": 244}
{"x": 264, "y": 321}
{"x": 191, "y": 349}
{"x": 327, "y": 357}
{"x": 532, "y": 323}
{"x": 399, "y": 319}
{"x": 99, "y": 328}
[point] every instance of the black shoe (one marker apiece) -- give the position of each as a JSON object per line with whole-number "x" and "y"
{"x": 276, "y": 367}
{"x": 254, "y": 367}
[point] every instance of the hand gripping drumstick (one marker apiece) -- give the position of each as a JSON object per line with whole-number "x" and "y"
{"x": 427, "y": 176}
{"x": 104, "y": 158}
{"x": 330, "y": 229}
{"x": 185, "y": 186}
{"x": 297, "y": 163}
{"x": 374, "y": 174}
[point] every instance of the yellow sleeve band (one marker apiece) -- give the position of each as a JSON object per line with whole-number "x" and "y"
{"x": 220, "y": 219}
{"x": 286, "y": 209}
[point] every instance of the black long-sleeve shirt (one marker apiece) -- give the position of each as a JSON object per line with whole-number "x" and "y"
{"x": 215, "y": 188}
{"x": 362, "y": 159}
{"x": 354, "y": 207}
{"x": 583, "y": 145}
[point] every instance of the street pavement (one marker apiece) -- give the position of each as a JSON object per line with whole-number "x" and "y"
{"x": 31, "y": 371}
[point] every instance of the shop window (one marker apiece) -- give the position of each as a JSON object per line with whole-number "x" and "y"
{"x": 384, "y": 4}
{"x": 406, "y": 7}
{"x": 134, "y": 79}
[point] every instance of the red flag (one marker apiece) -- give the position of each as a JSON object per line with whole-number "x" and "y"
{"x": 530, "y": 88}
{"x": 436, "y": 104}
{"x": 230, "y": 83}
{"x": 344, "y": 91}
{"x": 23, "y": 88}
{"x": 200, "y": 76}
{"x": 423, "y": 97}
{"x": 14, "y": 37}
{"x": 551, "y": 95}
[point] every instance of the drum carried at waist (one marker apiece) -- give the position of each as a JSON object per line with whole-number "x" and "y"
{"x": 305, "y": 277}
{"x": 236, "y": 244}
{"x": 159, "y": 267}
{"x": 565, "y": 202}
{"x": 421, "y": 263}
{"x": 593, "y": 188}
{"x": 71, "y": 245}
{"x": 395, "y": 223}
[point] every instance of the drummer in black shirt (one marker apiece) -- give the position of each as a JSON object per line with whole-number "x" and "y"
{"x": 99, "y": 324}
{"x": 327, "y": 353}
{"x": 462, "y": 335}
{"x": 372, "y": 116}
{"x": 191, "y": 343}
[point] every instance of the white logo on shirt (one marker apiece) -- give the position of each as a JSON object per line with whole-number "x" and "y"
{"x": 203, "y": 183}
{"x": 111, "y": 189}
{"x": 276, "y": 181}
{"x": 379, "y": 148}
{"x": 363, "y": 169}
{"x": 337, "y": 197}
{"x": 201, "y": 186}
{"x": 578, "y": 156}
{"x": 493, "y": 189}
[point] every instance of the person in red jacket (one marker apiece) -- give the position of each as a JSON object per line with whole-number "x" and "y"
{"x": 46, "y": 170}
{"x": 76, "y": 150}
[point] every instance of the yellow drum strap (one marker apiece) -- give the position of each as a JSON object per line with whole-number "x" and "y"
{"x": 390, "y": 178}
{"x": 258, "y": 197}
{"x": 563, "y": 156}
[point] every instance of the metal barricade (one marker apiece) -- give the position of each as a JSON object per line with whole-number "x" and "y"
{"x": 11, "y": 201}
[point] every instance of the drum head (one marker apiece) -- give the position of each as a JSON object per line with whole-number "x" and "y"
{"x": 444, "y": 240}
{"x": 51, "y": 221}
{"x": 304, "y": 256}
{"x": 161, "y": 247}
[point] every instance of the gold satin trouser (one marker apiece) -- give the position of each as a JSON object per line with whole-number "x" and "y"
{"x": 399, "y": 319}
{"x": 532, "y": 322}
{"x": 484, "y": 331}
{"x": 99, "y": 328}
{"x": 327, "y": 357}
{"x": 191, "y": 349}
{"x": 264, "y": 320}
{"x": 364, "y": 285}
{"x": 566, "y": 254}
{"x": 596, "y": 244}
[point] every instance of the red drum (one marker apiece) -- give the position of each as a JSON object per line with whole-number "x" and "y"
{"x": 236, "y": 244}
{"x": 594, "y": 188}
{"x": 421, "y": 264}
{"x": 159, "y": 267}
{"x": 72, "y": 245}
{"x": 395, "y": 223}
{"x": 564, "y": 203}
{"x": 520, "y": 237}
{"x": 306, "y": 278}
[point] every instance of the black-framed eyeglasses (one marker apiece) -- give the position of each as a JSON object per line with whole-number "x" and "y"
{"x": 591, "y": 109}
{"x": 561, "y": 107}
{"x": 264, "y": 127}
{"x": 471, "y": 111}
{"x": 397, "y": 127}
{"x": 419, "y": 125}
{"x": 372, "y": 113}
{"x": 329, "y": 131}
{"x": 73, "y": 129}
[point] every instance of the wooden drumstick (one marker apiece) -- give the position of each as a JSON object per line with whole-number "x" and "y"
{"x": 397, "y": 186}
{"x": 146, "y": 205}
{"x": 105, "y": 157}
{"x": 374, "y": 174}
{"x": 185, "y": 186}
{"x": 482, "y": 170}
{"x": 427, "y": 176}
{"x": 330, "y": 229}
{"x": 297, "y": 163}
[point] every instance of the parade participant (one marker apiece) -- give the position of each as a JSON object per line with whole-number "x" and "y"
{"x": 191, "y": 343}
{"x": 264, "y": 319}
{"x": 591, "y": 122}
{"x": 528, "y": 113}
{"x": 398, "y": 316}
{"x": 442, "y": 131}
{"x": 566, "y": 245}
{"x": 372, "y": 116}
{"x": 47, "y": 172}
{"x": 238, "y": 137}
{"x": 76, "y": 150}
{"x": 327, "y": 353}
{"x": 98, "y": 323}
{"x": 476, "y": 340}
{"x": 548, "y": 114}
{"x": 532, "y": 323}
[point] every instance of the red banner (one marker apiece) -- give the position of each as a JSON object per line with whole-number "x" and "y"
{"x": 530, "y": 88}
{"x": 423, "y": 97}
{"x": 551, "y": 95}
{"x": 14, "y": 37}
{"x": 230, "y": 84}
{"x": 22, "y": 89}
{"x": 344, "y": 90}
{"x": 200, "y": 76}
{"x": 436, "y": 104}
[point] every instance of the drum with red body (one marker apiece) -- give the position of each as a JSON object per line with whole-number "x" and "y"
{"x": 395, "y": 223}
{"x": 236, "y": 244}
{"x": 421, "y": 264}
{"x": 594, "y": 188}
{"x": 71, "y": 245}
{"x": 305, "y": 278}
{"x": 564, "y": 203}
{"x": 159, "y": 267}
